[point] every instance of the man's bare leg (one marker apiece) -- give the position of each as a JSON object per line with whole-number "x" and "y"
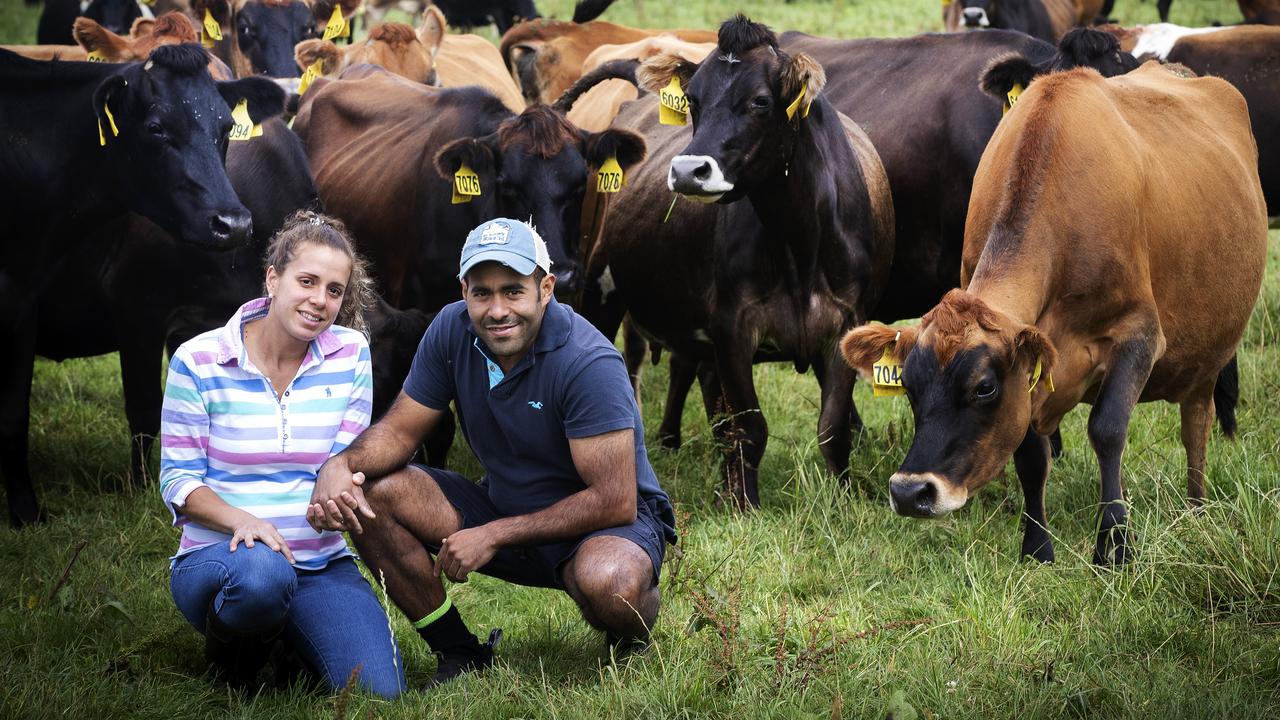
{"x": 612, "y": 581}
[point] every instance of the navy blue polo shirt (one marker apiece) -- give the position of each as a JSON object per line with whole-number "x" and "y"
{"x": 572, "y": 384}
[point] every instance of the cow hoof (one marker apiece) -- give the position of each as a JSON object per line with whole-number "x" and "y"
{"x": 669, "y": 442}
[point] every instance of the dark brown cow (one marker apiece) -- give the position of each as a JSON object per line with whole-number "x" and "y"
{"x": 1048, "y": 20}
{"x": 1100, "y": 207}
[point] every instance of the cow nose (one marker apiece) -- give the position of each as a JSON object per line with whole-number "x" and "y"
{"x": 230, "y": 228}
{"x": 974, "y": 17}
{"x": 697, "y": 175}
{"x": 913, "y": 498}
{"x": 568, "y": 279}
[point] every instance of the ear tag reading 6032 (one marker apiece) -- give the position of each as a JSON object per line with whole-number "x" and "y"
{"x": 609, "y": 178}
{"x": 336, "y": 25}
{"x": 1011, "y": 98}
{"x": 673, "y": 106}
{"x": 466, "y": 185}
{"x": 886, "y": 375}
{"x": 243, "y": 127}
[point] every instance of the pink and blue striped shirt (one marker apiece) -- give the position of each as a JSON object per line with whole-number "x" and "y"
{"x": 224, "y": 427}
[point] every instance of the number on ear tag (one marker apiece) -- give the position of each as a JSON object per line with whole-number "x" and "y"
{"x": 609, "y": 179}
{"x": 886, "y": 375}
{"x": 96, "y": 56}
{"x": 673, "y": 106}
{"x": 466, "y": 185}
{"x": 243, "y": 126}
{"x": 336, "y": 25}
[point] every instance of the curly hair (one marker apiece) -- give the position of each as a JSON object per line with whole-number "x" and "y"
{"x": 306, "y": 226}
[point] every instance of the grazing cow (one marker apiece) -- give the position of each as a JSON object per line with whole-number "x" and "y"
{"x": 930, "y": 164}
{"x": 1048, "y": 20}
{"x": 385, "y": 153}
{"x": 1099, "y": 207}
{"x": 258, "y": 36}
{"x": 85, "y": 143}
{"x": 795, "y": 250}
{"x": 396, "y": 47}
{"x": 546, "y": 57}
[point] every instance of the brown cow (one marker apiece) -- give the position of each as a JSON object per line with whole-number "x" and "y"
{"x": 472, "y": 60}
{"x": 546, "y": 56}
{"x": 1048, "y": 20}
{"x": 1100, "y": 207}
{"x": 397, "y": 47}
{"x": 259, "y": 36}
{"x": 596, "y": 108}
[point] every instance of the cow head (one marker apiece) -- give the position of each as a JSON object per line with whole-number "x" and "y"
{"x": 538, "y": 163}
{"x": 745, "y": 101}
{"x": 977, "y": 14}
{"x": 1082, "y": 47}
{"x": 968, "y": 372}
{"x": 263, "y": 33}
{"x": 171, "y": 125}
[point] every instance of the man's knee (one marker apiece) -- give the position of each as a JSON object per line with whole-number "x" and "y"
{"x": 613, "y": 574}
{"x": 388, "y": 490}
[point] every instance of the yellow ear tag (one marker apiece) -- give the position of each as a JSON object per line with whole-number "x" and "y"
{"x": 148, "y": 3}
{"x": 115, "y": 131}
{"x": 313, "y": 71}
{"x": 1035, "y": 377}
{"x": 243, "y": 127}
{"x": 211, "y": 29}
{"x": 886, "y": 374}
{"x": 795, "y": 105}
{"x": 466, "y": 185}
{"x": 96, "y": 56}
{"x": 1012, "y": 97}
{"x": 673, "y": 106}
{"x": 609, "y": 178}
{"x": 336, "y": 25}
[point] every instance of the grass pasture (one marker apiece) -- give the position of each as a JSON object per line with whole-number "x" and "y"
{"x": 823, "y": 604}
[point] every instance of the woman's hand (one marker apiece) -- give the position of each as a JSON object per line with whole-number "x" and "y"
{"x": 251, "y": 528}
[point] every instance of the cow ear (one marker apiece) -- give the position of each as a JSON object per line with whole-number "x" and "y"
{"x": 308, "y": 51}
{"x": 94, "y": 38}
{"x": 322, "y": 10}
{"x": 863, "y": 346}
{"x": 265, "y": 98}
{"x": 475, "y": 153}
{"x": 627, "y": 146}
{"x": 804, "y": 75}
{"x": 219, "y": 9}
{"x": 110, "y": 94}
{"x": 1034, "y": 346}
{"x": 432, "y": 30}
{"x": 656, "y": 72}
{"x": 142, "y": 26}
{"x": 1004, "y": 72}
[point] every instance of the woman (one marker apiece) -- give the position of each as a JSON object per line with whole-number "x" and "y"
{"x": 251, "y": 411}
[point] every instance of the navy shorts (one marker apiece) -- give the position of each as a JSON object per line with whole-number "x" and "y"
{"x": 539, "y": 565}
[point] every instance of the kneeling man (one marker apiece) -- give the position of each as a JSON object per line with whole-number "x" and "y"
{"x": 568, "y": 499}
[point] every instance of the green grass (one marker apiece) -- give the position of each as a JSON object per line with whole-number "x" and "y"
{"x": 822, "y": 604}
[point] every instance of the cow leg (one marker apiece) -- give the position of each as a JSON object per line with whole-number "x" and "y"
{"x": 634, "y": 350}
{"x": 1197, "y": 423}
{"x": 17, "y": 364}
{"x": 836, "y": 379}
{"x": 1032, "y": 460}
{"x": 1131, "y": 362}
{"x": 748, "y": 431}
{"x": 683, "y": 372}
{"x": 140, "y": 360}
{"x": 440, "y": 441}
{"x": 1162, "y": 7}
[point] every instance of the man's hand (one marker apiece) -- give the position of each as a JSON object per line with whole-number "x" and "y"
{"x": 465, "y": 552}
{"x": 336, "y": 498}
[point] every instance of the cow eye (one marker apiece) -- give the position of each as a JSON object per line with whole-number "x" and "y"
{"x": 154, "y": 128}
{"x": 986, "y": 389}
{"x": 760, "y": 102}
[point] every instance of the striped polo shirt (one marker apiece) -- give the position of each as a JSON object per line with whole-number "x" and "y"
{"x": 224, "y": 427}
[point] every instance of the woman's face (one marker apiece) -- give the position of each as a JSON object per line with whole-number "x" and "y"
{"x": 307, "y": 293}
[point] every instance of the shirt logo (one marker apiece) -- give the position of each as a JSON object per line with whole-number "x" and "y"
{"x": 535, "y": 404}
{"x": 328, "y": 392}
{"x": 495, "y": 234}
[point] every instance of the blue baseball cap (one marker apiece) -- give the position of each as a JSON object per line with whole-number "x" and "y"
{"x": 510, "y": 242}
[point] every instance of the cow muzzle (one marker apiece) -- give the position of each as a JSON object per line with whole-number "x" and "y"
{"x": 975, "y": 18}
{"x": 230, "y": 228}
{"x": 697, "y": 177}
{"x": 924, "y": 495}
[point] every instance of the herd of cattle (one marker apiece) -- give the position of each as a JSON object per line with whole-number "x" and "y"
{"x": 727, "y": 197}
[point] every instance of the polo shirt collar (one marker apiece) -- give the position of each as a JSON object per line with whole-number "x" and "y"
{"x": 231, "y": 339}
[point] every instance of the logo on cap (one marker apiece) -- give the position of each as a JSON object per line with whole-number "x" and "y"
{"x": 495, "y": 234}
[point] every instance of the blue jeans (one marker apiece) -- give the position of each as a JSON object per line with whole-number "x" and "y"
{"x": 331, "y": 617}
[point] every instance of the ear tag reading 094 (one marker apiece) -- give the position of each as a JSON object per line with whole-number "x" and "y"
{"x": 609, "y": 178}
{"x": 886, "y": 375}
{"x": 336, "y": 25}
{"x": 243, "y": 126}
{"x": 466, "y": 185}
{"x": 673, "y": 106}
{"x": 1011, "y": 98}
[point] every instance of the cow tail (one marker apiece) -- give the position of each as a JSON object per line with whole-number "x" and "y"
{"x": 612, "y": 70}
{"x": 1226, "y": 395}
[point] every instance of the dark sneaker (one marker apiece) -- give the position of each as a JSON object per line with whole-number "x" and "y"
{"x": 452, "y": 665}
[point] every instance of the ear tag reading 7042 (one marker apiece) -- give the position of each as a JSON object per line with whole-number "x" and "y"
{"x": 336, "y": 25}
{"x": 886, "y": 375}
{"x": 313, "y": 71}
{"x": 243, "y": 126}
{"x": 609, "y": 179}
{"x": 1011, "y": 98}
{"x": 212, "y": 31}
{"x": 673, "y": 106}
{"x": 466, "y": 185}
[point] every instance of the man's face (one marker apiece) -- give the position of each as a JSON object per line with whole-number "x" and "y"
{"x": 506, "y": 308}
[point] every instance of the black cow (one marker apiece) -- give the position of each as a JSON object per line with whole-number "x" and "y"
{"x": 797, "y": 249}
{"x": 86, "y": 143}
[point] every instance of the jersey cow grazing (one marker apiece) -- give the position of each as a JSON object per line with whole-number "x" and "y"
{"x": 87, "y": 142}
{"x": 258, "y": 36}
{"x": 1048, "y": 20}
{"x": 361, "y": 130}
{"x": 797, "y": 250}
{"x": 1084, "y": 241}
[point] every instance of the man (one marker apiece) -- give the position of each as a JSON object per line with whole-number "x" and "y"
{"x": 568, "y": 500}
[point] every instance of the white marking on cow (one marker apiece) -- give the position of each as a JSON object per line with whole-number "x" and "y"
{"x": 685, "y": 166}
{"x": 701, "y": 336}
{"x": 1157, "y": 40}
{"x": 729, "y": 59}
{"x": 607, "y": 286}
{"x": 978, "y": 15}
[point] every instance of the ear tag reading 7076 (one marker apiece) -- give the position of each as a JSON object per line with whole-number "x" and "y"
{"x": 886, "y": 374}
{"x": 673, "y": 106}
{"x": 609, "y": 178}
{"x": 466, "y": 185}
